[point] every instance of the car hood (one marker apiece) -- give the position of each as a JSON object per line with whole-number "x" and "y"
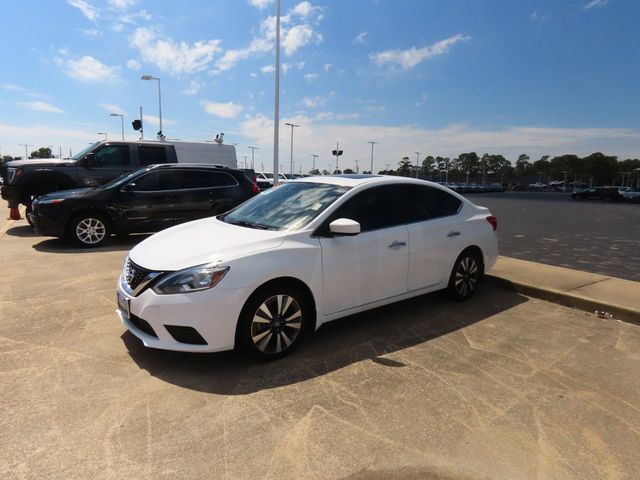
{"x": 202, "y": 241}
{"x": 74, "y": 193}
{"x": 40, "y": 162}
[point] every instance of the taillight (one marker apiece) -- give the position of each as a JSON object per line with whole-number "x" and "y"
{"x": 255, "y": 188}
{"x": 493, "y": 221}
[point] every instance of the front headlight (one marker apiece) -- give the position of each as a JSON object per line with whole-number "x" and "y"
{"x": 12, "y": 173}
{"x": 192, "y": 279}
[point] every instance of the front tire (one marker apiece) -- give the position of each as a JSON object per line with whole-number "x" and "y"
{"x": 465, "y": 276}
{"x": 272, "y": 322}
{"x": 90, "y": 230}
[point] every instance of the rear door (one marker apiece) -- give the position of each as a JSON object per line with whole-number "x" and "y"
{"x": 109, "y": 161}
{"x": 436, "y": 234}
{"x": 202, "y": 193}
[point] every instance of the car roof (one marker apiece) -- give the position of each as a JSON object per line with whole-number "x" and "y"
{"x": 212, "y": 166}
{"x": 357, "y": 180}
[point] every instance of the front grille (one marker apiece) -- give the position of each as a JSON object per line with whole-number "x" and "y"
{"x": 135, "y": 275}
{"x": 142, "y": 325}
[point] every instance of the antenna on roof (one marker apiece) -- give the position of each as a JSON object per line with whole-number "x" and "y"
{"x": 219, "y": 138}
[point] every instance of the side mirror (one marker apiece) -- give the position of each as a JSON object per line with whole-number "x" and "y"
{"x": 88, "y": 161}
{"x": 344, "y": 226}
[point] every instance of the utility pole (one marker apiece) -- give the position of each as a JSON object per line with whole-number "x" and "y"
{"x": 357, "y": 168}
{"x": 245, "y": 161}
{"x": 372, "y": 144}
{"x": 417, "y": 161}
{"x": 253, "y": 149}
{"x": 291, "y": 158}
{"x": 276, "y": 106}
{"x": 337, "y": 152}
{"x": 314, "y": 161}
{"x": 26, "y": 154}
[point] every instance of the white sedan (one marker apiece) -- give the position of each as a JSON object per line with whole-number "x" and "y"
{"x": 298, "y": 256}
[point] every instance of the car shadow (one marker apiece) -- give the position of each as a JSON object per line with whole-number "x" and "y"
{"x": 22, "y": 231}
{"x": 116, "y": 244}
{"x": 365, "y": 336}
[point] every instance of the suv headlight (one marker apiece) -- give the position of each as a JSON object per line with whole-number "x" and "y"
{"x": 193, "y": 279}
{"x": 12, "y": 173}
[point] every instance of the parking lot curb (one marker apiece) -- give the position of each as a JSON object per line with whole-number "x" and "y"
{"x": 589, "y": 303}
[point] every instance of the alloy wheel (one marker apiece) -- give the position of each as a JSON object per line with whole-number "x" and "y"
{"x": 91, "y": 231}
{"x": 466, "y": 276}
{"x": 276, "y": 324}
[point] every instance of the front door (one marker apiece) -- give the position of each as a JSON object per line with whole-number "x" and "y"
{"x": 146, "y": 204}
{"x": 371, "y": 266}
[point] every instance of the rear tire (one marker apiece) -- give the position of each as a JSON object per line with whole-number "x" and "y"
{"x": 90, "y": 229}
{"x": 465, "y": 276}
{"x": 273, "y": 321}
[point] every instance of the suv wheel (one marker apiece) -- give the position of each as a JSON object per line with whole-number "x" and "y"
{"x": 90, "y": 229}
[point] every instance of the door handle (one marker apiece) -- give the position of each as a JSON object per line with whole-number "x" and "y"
{"x": 453, "y": 234}
{"x": 397, "y": 244}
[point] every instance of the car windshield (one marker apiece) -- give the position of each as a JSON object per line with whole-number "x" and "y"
{"x": 78, "y": 156}
{"x": 290, "y": 206}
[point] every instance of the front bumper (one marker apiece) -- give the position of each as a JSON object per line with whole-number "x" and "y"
{"x": 49, "y": 220}
{"x": 212, "y": 313}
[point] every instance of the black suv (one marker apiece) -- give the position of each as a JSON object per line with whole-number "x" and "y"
{"x": 146, "y": 200}
{"x": 608, "y": 194}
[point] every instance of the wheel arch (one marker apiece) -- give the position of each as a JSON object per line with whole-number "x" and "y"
{"x": 85, "y": 210}
{"x": 478, "y": 253}
{"x": 290, "y": 281}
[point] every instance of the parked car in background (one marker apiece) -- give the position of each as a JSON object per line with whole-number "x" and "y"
{"x": 263, "y": 181}
{"x": 607, "y": 194}
{"x": 147, "y": 200}
{"x": 537, "y": 186}
{"x": 100, "y": 163}
{"x": 630, "y": 195}
{"x": 298, "y": 256}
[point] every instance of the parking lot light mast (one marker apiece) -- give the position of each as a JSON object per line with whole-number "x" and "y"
{"x": 121, "y": 122}
{"x": 372, "y": 144}
{"x": 276, "y": 106}
{"x": 253, "y": 149}
{"x": 417, "y": 161}
{"x": 26, "y": 147}
{"x": 565, "y": 178}
{"x": 149, "y": 77}
{"x": 314, "y": 161}
{"x": 292, "y": 125}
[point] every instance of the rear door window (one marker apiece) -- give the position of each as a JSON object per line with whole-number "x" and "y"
{"x": 155, "y": 182}
{"x": 149, "y": 155}
{"x": 424, "y": 203}
{"x": 189, "y": 179}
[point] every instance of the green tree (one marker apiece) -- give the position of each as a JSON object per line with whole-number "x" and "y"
{"x": 404, "y": 168}
{"x": 542, "y": 167}
{"x": 42, "y": 152}
{"x": 469, "y": 162}
{"x": 603, "y": 168}
{"x": 348, "y": 171}
{"x": 428, "y": 166}
{"x": 522, "y": 165}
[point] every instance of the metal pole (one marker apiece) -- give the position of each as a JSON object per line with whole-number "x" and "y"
{"x": 141, "y": 125}
{"x": 314, "y": 161}
{"x": 160, "y": 109}
{"x": 372, "y": 144}
{"x": 122, "y": 125}
{"x": 26, "y": 153}
{"x": 253, "y": 149}
{"x": 276, "y": 108}
{"x": 337, "y": 152}
{"x": 417, "y": 160}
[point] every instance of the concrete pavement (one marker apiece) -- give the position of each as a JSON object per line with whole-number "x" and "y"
{"x": 502, "y": 386}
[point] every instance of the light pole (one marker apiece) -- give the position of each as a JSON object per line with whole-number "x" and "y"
{"x": 245, "y": 161}
{"x": 253, "y": 149}
{"x": 357, "y": 162}
{"x": 565, "y": 179}
{"x": 121, "y": 122}
{"x": 106, "y": 137}
{"x": 292, "y": 125}
{"x": 26, "y": 147}
{"x": 417, "y": 160}
{"x": 337, "y": 152}
{"x": 372, "y": 144}
{"x": 276, "y": 106}
{"x": 314, "y": 161}
{"x": 149, "y": 77}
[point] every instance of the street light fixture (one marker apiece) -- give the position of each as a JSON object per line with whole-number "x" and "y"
{"x": 106, "y": 137}
{"x": 292, "y": 125}
{"x": 149, "y": 77}
{"x": 121, "y": 122}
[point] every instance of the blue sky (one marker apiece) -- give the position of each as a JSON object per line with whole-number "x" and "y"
{"x": 539, "y": 77}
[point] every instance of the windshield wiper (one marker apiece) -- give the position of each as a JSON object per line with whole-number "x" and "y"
{"x": 259, "y": 226}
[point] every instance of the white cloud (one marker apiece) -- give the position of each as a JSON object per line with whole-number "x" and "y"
{"x": 133, "y": 64}
{"x": 595, "y": 3}
{"x": 359, "y": 39}
{"x": 12, "y": 87}
{"x": 410, "y": 58}
{"x": 91, "y": 32}
{"x": 268, "y": 69}
{"x": 298, "y": 37}
{"x": 193, "y": 88}
{"x": 304, "y": 9}
{"x": 314, "y": 102}
{"x": 86, "y": 8}
{"x": 310, "y": 76}
{"x": 89, "y": 69}
{"x": 174, "y": 57}
{"x": 261, "y": 4}
{"x": 118, "y": 27}
{"x": 423, "y": 100}
{"x": 223, "y": 110}
{"x": 155, "y": 121}
{"x": 112, "y": 108}
{"x": 39, "y": 106}
{"x": 327, "y": 67}
{"x": 122, "y": 4}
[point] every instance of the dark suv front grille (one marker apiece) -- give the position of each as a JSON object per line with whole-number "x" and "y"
{"x": 137, "y": 278}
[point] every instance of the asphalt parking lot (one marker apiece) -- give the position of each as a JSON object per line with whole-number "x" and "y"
{"x": 551, "y": 228}
{"x": 503, "y": 386}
